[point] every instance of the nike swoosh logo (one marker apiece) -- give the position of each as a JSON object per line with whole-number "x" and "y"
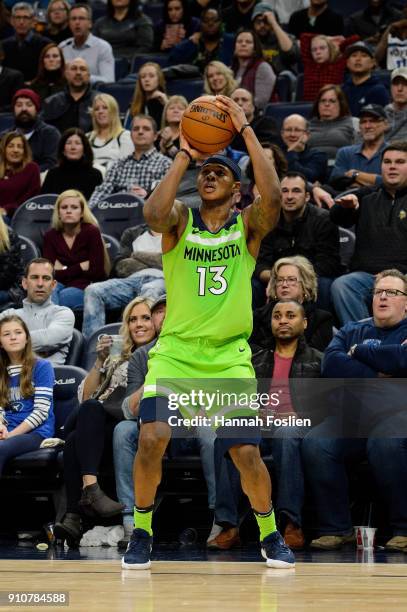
{"x": 241, "y": 350}
{"x": 195, "y": 231}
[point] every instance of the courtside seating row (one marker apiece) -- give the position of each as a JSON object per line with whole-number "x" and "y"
{"x": 41, "y": 471}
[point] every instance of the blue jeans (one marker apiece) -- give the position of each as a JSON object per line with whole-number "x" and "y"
{"x": 116, "y": 293}
{"x": 352, "y": 296}
{"x": 72, "y": 297}
{"x": 289, "y": 472}
{"x": 18, "y": 445}
{"x": 324, "y": 464}
{"x": 125, "y": 444}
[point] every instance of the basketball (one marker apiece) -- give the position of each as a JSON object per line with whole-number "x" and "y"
{"x": 206, "y": 127}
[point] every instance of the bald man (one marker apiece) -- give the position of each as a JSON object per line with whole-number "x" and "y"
{"x": 263, "y": 126}
{"x": 70, "y": 108}
{"x": 313, "y": 164}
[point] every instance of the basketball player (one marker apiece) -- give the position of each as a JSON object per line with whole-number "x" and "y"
{"x": 208, "y": 260}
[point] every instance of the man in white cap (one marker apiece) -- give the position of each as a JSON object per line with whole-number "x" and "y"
{"x": 396, "y": 111}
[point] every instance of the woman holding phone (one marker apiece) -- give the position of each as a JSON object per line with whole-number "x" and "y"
{"x": 89, "y": 430}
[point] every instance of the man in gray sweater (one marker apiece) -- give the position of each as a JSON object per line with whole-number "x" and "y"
{"x": 50, "y": 326}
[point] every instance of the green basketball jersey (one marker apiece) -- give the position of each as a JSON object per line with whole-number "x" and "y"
{"x": 208, "y": 282}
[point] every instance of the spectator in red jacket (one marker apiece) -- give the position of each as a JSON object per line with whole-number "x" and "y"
{"x": 19, "y": 175}
{"x": 323, "y": 61}
{"x": 75, "y": 247}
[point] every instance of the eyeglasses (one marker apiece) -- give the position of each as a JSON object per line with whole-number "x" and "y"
{"x": 328, "y": 101}
{"x": 289, "y": 280}
{"x": 388, "y": 292}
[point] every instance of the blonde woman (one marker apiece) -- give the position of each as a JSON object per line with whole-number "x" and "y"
{"x": 75, "y": 246}
{"x": 19, "y": 175}
{"x": 171, "y": 120}
{"x": 149, "y": 96}
{"x": 90, "y": 430}
{"x": 108, "y": 139}
{"x": 294, "y": 278}
{"x": 11, "y": 264}
{"x": 324, "y": 61}
{"x": 218, "y": 79}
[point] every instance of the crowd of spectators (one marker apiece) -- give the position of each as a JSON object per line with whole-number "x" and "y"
{"x": 343, "y": 168}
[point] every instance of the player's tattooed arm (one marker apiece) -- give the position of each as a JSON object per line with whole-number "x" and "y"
{"x": 162, "y": 212}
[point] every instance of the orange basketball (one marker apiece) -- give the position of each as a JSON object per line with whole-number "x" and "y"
{"x": 206, "y": 127}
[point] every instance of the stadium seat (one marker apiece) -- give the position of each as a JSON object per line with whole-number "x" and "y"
{"x": 32, "y": 219}
{"x": 89, "y": 356}
{"x": 74, "y": 356}
{"x": 138, "y": 60}
{"x": 121, "y": 68}
{"x": 347, "y": 241}
{"x": 280, "y": 110}
{"x": 284, "y": 87}
{"x": 6, "y": 121}
{"x": 299, "y": 88}
{"x": 190, "y": 88}
{"x": 117, "y": 212}
{"x": 67, "y": 381}
{"x": 29, "y": 250}
{"x": 112, "y": 245}
{"x": 122, "y": 92}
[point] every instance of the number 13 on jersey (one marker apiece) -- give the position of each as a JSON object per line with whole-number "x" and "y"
{"x": 218, "y": 282}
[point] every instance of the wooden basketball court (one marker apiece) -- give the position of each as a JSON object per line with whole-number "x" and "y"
{"x": 201, "y": 586}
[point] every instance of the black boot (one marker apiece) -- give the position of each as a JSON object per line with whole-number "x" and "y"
{"x": 95, "y": 501}
{"x": 69, "y": 529}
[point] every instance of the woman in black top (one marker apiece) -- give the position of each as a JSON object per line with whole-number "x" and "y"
{"x": 126, "y": 28}
{"x": 50, "y": 77}
{"x": 175, "y": 25}
{"x": 74, "y": 170}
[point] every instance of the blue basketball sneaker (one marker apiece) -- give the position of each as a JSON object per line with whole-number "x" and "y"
{"x": 276, "y": 552}
{"x": 137, "y": 555}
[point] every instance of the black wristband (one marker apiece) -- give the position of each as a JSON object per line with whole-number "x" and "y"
{"x": 187, "y": 153}
{"x": 242, "y": 129}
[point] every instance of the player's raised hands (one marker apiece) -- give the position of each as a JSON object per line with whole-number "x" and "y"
{"x": 235, "y": 111}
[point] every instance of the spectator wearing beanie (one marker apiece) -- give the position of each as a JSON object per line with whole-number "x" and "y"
{"x": 42, "y": 138}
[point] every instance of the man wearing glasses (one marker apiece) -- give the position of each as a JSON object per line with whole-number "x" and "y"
{"x": 380, "y": 220}
{"x": 22, "y": 50}
{"x": 370, "y": 354}
{"x": 313, "y": 164}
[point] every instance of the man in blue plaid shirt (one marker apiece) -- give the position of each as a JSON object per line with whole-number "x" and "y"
{"x": 135, "y": 173}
